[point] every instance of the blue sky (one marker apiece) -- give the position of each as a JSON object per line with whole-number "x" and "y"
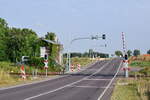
{"x": 82, "y": 18}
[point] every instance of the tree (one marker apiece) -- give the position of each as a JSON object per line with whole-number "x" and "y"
{"x": 3, "y": 37}
{"x": 129, "y": 52}
{"x": 53, "y": 48}
{"x": 148, "y": 52}
{"x": 118, "y": 53}
{"x": 21, "y": 42}
{"x": 136, "y": 52}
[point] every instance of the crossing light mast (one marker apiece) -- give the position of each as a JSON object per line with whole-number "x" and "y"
{"x": 125, "y": 55}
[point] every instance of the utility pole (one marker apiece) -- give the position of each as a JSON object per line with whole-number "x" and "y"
{"x": 125, "y": 61}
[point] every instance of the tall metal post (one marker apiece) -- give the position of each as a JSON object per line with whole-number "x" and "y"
{"x": 69, "y": 68}
{"x": 125, "y": 54}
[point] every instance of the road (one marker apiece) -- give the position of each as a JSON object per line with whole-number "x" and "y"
{"x": 94, "y": 83}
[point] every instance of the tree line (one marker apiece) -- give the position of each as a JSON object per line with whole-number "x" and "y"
{"x": 17, "y": 42}
{"x": 89, "y": 54}
{"x": 136, "y": 52}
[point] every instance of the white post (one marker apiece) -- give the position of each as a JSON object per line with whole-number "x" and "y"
{"x": 126, "y": 69}
{"x": 46, "y": 72}
{"x": 69, "y": 67}
{"x": 46, "y": 66}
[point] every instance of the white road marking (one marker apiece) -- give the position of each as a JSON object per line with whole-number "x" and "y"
{"x": 89, "y": 87}
{"x": 98, "y": 79}
{"x": 100, "y": 97}
{"x": 45, "y": 93}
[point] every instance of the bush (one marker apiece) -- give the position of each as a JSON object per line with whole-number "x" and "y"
{"x": 140, "y": 63}
{"x": 37, "y": 62}
{"x": 145, "y": 71}
{"x": 9, "y": 67}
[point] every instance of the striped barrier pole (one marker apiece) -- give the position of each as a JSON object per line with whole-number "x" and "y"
{"x": 72, "y": 68}
{"x": 79, "y": 67}
{"x": 23, "y": 74}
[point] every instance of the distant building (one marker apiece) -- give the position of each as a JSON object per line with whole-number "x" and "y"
{"x": 45, "y": 50}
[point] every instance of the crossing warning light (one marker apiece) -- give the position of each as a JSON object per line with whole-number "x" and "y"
{"x": 104, "y": 36}
{"x": 126, "y": 57}
{"x": 46, "y": 57}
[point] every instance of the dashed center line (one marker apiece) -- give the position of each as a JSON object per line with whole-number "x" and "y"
{"x": 93, "y": 87}
{"x": 97, "y": 79}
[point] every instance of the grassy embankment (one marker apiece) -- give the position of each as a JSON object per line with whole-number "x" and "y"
{"x": 6, "y": 79}
{"x": 82, "y": 61}
{"x": 137, "y": 88}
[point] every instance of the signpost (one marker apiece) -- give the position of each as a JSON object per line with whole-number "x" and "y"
{"x": 46, "y": 62}
{"x": 125, "y": 61}
{"x": 46, "y": 66}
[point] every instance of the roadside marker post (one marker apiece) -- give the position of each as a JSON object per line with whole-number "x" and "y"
{"x": 79, "y": 67}
{"x": 72, "y": 68}
{"x": 23, "y": 74}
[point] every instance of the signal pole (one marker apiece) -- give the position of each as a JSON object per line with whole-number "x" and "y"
{"x": 125, "y": 61}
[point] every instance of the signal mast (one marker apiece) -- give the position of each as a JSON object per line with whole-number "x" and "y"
{"x": 125, "y": 55}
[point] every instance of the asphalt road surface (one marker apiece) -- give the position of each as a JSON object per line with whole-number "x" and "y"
{"x": 94, "y": 83}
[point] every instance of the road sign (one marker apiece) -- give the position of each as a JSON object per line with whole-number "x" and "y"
{"x": 46, "y": 66}
{"x": 46, "y": 63}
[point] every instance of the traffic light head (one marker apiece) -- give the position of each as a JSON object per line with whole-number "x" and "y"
{"x": 104, "y": 36}
{"x": 46, "y": 57}
{"x": 126, "y": 57}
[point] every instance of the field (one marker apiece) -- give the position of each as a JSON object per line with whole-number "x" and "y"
{"x": 137, "y": 88}
{"x": 9, "y": 76}
{"x": 82, "y": 61}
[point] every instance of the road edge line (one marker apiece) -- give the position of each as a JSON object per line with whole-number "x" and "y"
{"x": 107, "y": 87}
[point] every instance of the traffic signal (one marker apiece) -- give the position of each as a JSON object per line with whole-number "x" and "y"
{"x": 126, "y": 57}
{"x": 104, "y": 36}
{"x": 46, "y": 57}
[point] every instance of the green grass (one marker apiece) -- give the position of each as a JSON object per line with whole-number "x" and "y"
{"x": 140, "y": 64}
{"x": 9, "y": 67}
{"x": 138, "y": 88}
{"x": 82, "y": 61}
{"x": 7, "y": 79}
{"x": 134, "y": 90}
{"x": 145, "y": 65}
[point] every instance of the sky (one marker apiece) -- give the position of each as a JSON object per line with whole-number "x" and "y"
{"x": 71, "y": 19}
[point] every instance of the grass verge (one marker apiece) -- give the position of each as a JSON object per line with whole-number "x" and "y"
{"x": 132, "y": 89}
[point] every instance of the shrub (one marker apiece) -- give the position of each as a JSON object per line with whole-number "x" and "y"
{"x": 37, "y": 62}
